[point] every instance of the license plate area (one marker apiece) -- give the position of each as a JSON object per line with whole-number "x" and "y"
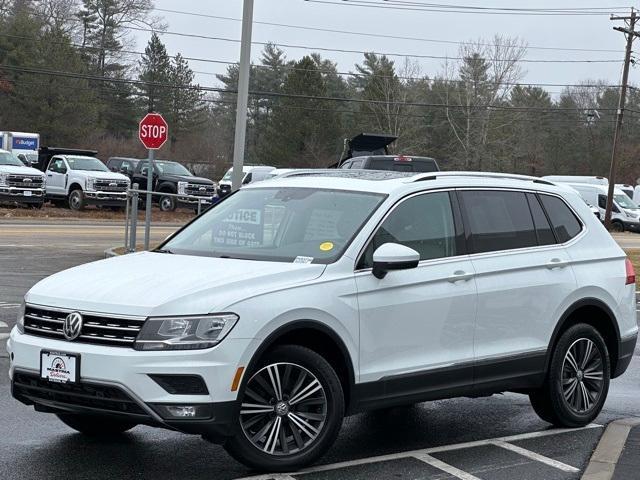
{"x": 59, "y": 367}
{"x": 27, "y": 193}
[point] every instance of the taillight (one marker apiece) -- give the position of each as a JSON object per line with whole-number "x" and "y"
{"x": 631, "y": 274}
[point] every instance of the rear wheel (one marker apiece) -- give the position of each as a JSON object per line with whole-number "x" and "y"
{"x": 76, "y": 200}
{"x": 578, "y": 379}
{"x": 291, "y": 412}
{"x": 167, "y": 204}
{"x": 95, "y": 425}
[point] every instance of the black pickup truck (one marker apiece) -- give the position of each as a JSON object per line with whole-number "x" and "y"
{"x": 168, "y": 177}
{"x": 370, "y": 151}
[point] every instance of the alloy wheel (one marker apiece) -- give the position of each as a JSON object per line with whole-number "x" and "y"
{"x": 582, "y": 375}
{"x": 284, "y": 409}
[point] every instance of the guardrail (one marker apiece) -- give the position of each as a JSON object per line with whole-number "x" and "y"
{"x": 131, "y": 212}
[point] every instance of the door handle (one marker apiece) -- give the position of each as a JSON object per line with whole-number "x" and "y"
{"x": 556, "y": 263}
{"x": 460, "y": 276}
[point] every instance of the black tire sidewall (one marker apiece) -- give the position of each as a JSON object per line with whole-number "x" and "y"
{"x": 244, "y": 451}
{"x": 172, "y": 204}
{"x": 567, "y": 416}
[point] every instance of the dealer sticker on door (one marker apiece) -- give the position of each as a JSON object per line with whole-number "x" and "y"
{"x": 59, "y": 367}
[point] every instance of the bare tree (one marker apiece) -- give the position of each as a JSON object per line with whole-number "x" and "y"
{"x": 478, "y": 81}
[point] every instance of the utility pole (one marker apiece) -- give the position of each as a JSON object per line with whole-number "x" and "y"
{"x": 630, "y": 34}
{"x": 243, "y": 95}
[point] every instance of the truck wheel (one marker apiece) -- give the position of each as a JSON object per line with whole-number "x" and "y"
{"x": 617, "y": 226}
{"x": 76, "y": 200}
{"x": 37, "y": 206}
{"x": 167, "y": 204}
{"x": 95, "y": 425}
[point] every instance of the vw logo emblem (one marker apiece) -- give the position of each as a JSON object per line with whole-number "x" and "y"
{"x": 72, "y": 326}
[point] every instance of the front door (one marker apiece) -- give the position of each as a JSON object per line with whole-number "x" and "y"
{"x": 57, "y": 177}
{"x": 416, "y": 325}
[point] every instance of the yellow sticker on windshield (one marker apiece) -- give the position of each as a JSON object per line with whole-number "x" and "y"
{"x": 326, "y": 246}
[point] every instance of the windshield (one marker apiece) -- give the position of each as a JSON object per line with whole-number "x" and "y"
{"x": 88, "y": 164}
{"x": 624, "y": 201}
{"x": 7, "y": 158}
{"x": 229, "y": 174}
{"x": 301, "y": 225}
{"x": 169, "y": 168}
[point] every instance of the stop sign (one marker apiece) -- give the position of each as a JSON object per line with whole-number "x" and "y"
{"x": 153, "y": 131}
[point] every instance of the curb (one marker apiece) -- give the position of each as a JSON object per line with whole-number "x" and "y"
{"x": 606, "y": 455}
{"x": 111, "y": 252}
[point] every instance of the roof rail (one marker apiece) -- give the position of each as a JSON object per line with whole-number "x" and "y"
{"x": 511, "y": 176}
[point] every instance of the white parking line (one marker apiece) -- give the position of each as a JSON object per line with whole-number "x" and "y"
{"x": 445, "y": 467}
{"x": 426, "y": 451}
{"x": 537, "y": 457}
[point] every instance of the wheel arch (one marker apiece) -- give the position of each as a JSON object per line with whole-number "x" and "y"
{"x": 317, "y": 337}
{"x": 596, "y": 313}
{"x": 74, "y": 186}
{"x": 167, "y": 187}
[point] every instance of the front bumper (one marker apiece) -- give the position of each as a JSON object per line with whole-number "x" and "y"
{"x": 12, "y": 194}
{"x": 115, "y": 381}
{"x": 106, "y": 199}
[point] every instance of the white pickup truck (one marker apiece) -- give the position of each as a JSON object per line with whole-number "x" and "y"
{"x": 19, "y": 183}
{"x": 78, "y": 181}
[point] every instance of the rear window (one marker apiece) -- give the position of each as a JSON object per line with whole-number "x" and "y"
{"x": 543, "y": 228}
{"x": 563, "y": 220}
{"x": 498, "y": 220}
{"x": 411, "y": 164}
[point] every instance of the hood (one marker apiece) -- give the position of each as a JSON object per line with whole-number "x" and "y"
{"x": 187, "y": 178}
{"x": 20, "y": 170}
{"x": 104, "y": 175}
{"x": 164, "y": 284}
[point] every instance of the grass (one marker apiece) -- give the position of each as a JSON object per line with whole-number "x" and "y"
{"x": 90, "y": 213}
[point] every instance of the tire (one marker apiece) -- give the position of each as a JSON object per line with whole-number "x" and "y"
{"x": 37, "y": 206}
{"x": 617, "y": 226}
{"x": 320, "y": 409}
{"x": 167, "y": 204}
{"x": 95, "y": 426}
{"x": 575, "y": 389}
{"x": 76, "y": 200}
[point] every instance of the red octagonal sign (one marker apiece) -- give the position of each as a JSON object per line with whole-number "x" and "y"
{"x": 153, "y": 131}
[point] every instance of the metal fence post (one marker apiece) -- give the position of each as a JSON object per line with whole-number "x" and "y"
{"x": 199, "y": 206}
{"x": 134, "y": 219}
{"x": 126, "y": 221}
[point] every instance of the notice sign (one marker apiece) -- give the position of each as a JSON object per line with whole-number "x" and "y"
{"x": 242, "y": 228}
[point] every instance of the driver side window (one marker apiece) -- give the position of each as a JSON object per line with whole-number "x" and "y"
{"x": 424, "y": 223}
{"x": 58, "y": 166}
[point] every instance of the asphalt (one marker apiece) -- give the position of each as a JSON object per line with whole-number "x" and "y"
{"x": 427, "y": 441}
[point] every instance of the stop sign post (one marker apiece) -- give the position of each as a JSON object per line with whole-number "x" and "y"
{"x": 153, "y": 132}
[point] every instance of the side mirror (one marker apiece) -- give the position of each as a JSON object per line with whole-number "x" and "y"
{"x": 393, "y": 256}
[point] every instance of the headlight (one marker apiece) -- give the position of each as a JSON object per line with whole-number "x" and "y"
{"x": 182, "y": 188}
{"x": 20, "y": 319}
{"x": 185, "y": 333}
{"x": 44, "y": 181}
{"x": 3, "y": 179}
{"x": 91, "y": 183}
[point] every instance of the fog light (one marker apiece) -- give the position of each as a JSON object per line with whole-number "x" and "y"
{"x": 183, "y": 412}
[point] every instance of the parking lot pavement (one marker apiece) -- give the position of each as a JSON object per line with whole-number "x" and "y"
{"x": 371, "y": 446}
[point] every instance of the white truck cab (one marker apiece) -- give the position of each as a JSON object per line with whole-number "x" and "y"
{"x": 19, "y": 183}
{"x": 250, "y": 174}
{"x": 84, "y": 180}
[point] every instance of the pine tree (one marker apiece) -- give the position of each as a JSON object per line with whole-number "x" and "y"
{"x": 155, "y": 75}
{"x": 186, "y": 108}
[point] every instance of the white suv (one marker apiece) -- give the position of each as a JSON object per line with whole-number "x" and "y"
{"x": 341, "y": 291}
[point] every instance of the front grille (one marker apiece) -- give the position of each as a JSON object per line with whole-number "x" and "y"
{"x": 84, "y": 395}
{"x": 111, "y": 185}
{"x": 114, "y": 331}
{"x": 25, "y": 181}
{"x": 196, "y": 189}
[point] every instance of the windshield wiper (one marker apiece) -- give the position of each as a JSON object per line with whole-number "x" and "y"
{"x": 164, "y": 250}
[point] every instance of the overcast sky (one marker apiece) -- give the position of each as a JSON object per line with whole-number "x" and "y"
{"x": 584, "y": 31}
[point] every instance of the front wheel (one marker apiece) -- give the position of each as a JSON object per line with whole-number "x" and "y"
{"x": 617, "y": 226}
{"x": 291, "y": 411}
{"x": 577, "y": 381}
{"x": 95, "y": 425}
{"x": 76, "y": 200}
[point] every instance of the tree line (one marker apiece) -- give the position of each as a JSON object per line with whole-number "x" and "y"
{"x": 69, "y": 71}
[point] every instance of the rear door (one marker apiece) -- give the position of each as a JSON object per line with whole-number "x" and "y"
{"x": 523, "y": 275}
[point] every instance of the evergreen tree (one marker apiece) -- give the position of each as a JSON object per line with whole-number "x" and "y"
{"x": 155, "y": 75}
{"x": 186, "y": 108}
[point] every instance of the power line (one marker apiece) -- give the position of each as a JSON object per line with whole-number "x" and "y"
{"x": 444, "y": 9}
{"x": 292, "y": 96}
{"x": 372, "y": 34}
